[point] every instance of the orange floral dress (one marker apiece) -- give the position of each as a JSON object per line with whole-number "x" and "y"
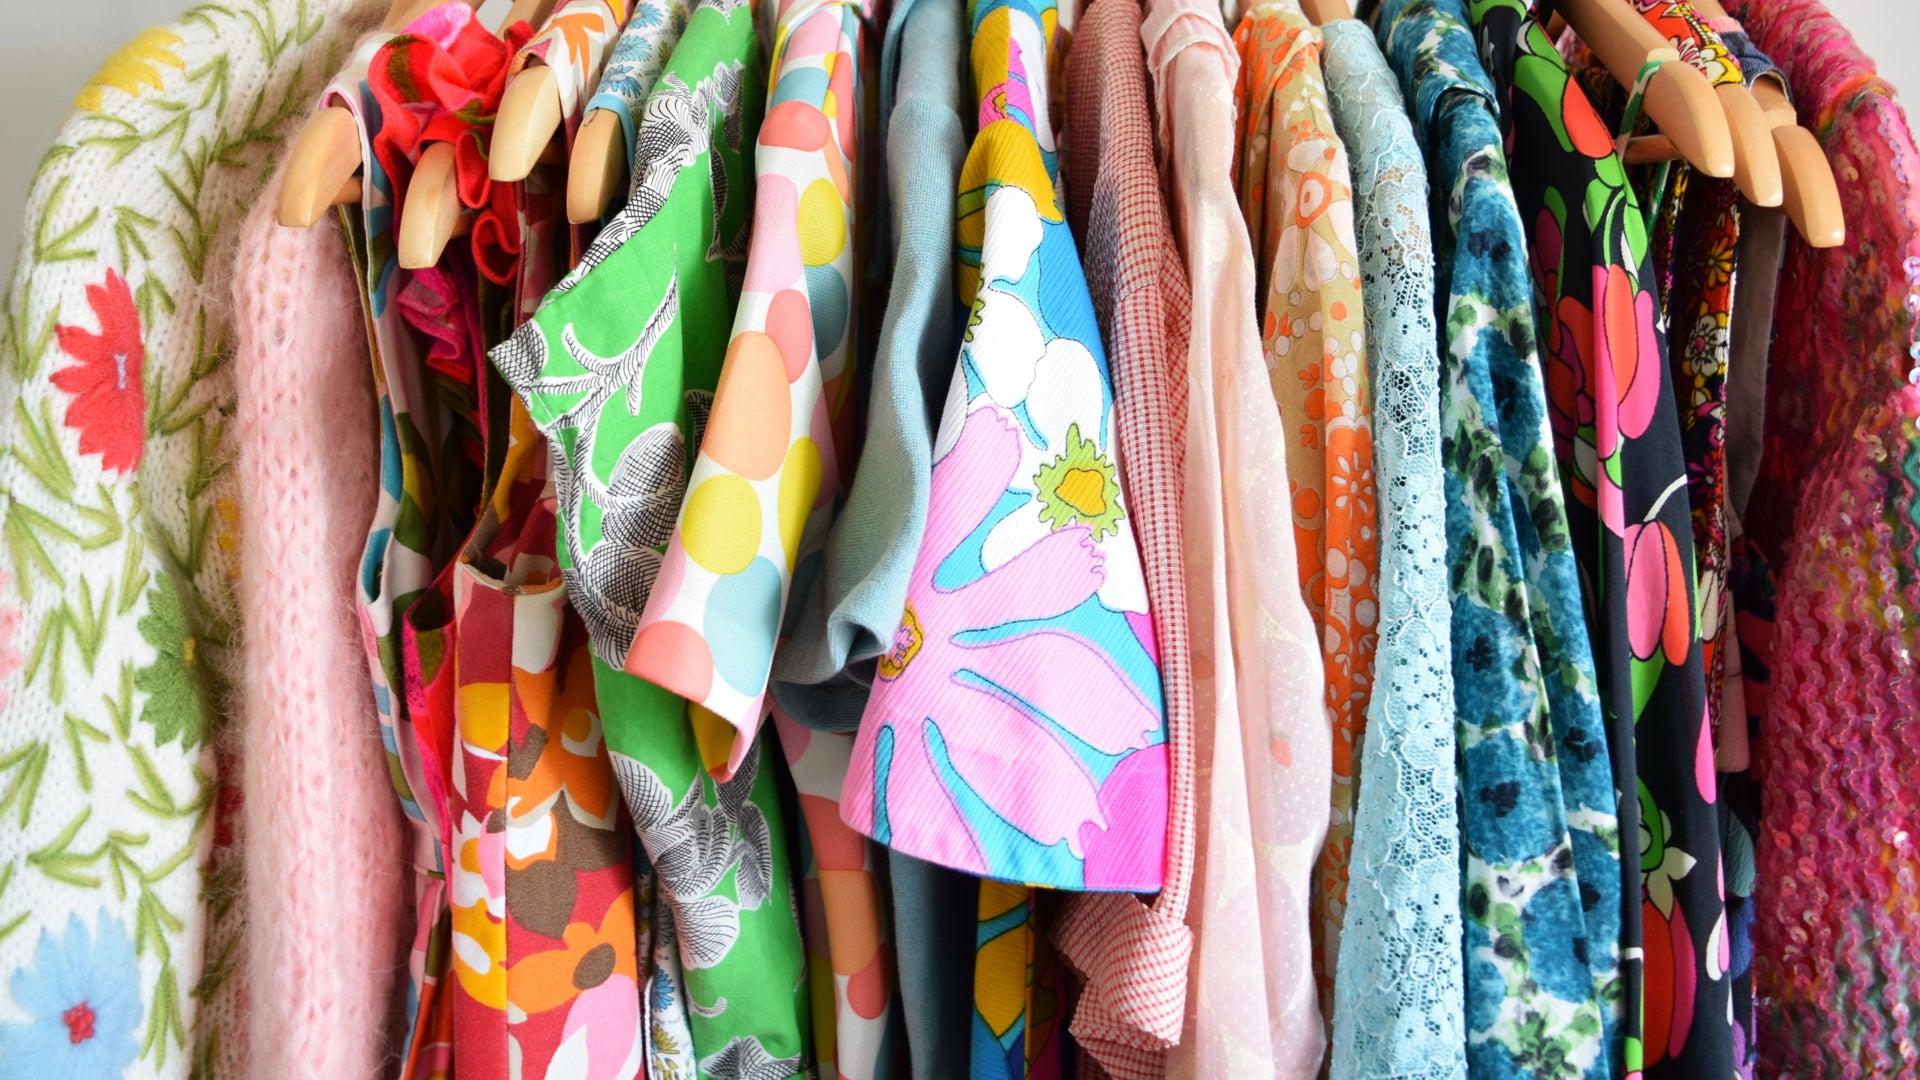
{"x": 1294, "y": 186}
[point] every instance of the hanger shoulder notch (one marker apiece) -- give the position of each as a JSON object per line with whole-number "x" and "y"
{"x": 322, "y": 163}
{"x": 528, "y": 118}
{"x": 432, "y": 209}
{"x": 598, "y": 167}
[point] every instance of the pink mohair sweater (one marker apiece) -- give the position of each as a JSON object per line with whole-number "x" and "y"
{"x": 324, "y": 878}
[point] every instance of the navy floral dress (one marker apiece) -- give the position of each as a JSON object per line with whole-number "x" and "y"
{"x": 1616, "y": 434}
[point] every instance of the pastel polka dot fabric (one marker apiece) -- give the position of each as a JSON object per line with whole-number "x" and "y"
{"x": 851, "y": 979}
{"x": 764, "y": 486}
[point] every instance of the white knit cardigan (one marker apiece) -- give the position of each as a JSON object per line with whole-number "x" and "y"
{"x": 120, "y": 913}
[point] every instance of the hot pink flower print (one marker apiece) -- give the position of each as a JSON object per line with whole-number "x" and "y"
{"x": 1626, "y": 349}
{"x": 982, "y": 700}
{"x": 1657, "y": 612}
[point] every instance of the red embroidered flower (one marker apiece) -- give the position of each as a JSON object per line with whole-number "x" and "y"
{"x": 109, "y": 406}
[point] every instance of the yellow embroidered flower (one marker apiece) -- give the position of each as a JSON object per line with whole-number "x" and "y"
{"x": 228, "y": 537}
{"x": 136, "y": 65}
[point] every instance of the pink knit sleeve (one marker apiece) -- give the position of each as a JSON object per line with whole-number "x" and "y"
{"x": 323, "y": 854}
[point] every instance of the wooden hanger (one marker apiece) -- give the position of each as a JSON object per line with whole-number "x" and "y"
{"x": 1756, "y": 165}
{"x": 1322, "y": 12}
{"x": 432, "y": 214}
{"x": 1756, "y": 168}
{"x": 324, "y": 159}
{"x": 1812, "y": 197}
{"x": 529, "y": 115}
{"x": 1809, "y": 194}
{"x": 598, "y": 168}
{"x": 1678, "y": 100}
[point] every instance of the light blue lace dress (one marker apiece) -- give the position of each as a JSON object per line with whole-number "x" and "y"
{"x": 1398, "y": 992}
{"x": 1541, "y": 910}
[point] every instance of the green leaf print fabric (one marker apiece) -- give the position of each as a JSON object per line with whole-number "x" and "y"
{"x": 1617, "y": 436}
{"x": 618, "y": 368}
{"x": 1542, "y": 860}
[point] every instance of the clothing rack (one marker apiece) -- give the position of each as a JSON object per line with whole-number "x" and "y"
{"x": 992, "y": 539}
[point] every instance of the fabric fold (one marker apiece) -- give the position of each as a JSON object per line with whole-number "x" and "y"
{"x": 1262, "y": 740}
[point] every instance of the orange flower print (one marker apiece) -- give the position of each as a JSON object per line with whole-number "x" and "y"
{"x": 1350, "y": 493}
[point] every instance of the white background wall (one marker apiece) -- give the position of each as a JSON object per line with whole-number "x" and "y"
{"x": 48, "y": 50}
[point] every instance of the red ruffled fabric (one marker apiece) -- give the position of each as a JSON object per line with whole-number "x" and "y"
{"x": 441, "y": 82}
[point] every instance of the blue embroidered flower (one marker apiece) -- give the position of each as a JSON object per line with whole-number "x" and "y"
{"x": 83, "y": 994}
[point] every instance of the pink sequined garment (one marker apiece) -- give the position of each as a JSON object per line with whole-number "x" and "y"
{"x": 1838, "y": 922}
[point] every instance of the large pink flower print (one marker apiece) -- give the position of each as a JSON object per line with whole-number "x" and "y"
{"x": 1626, "y": 355}
{"x": 1001, "y": 714}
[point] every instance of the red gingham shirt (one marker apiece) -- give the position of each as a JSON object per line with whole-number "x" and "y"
{"x": 1132, "y": 955}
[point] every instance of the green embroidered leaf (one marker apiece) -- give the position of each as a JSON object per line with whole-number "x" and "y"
{"x": 177, "y": 684}
{"x": 217, "y": 74}
{"x": 78, "y": 729}
{"x": 133, "y": 573}
{"x": 165, "y": 870}
{"x": 89, "y": 629}
{"x": 121, "y": 708}
{"x": 127, "y": 226}
{"x": 151, "y": 919}
{"x": 220, "y": 966}
{"x": 39, "y": 452}
{"x": 304, "y": 29}
{"x": 55, "y": 153}
{"x": 165, "y": 1026}
{"x": 27, "y": 351}
{"x": 171, "y": 411}
{"x": 27, "y": 764}
{"x": 59, "y": 863}
{"x": 223, "y": 890}
{"x": 196, "y": 164}
{"x": 133, "y": 138}
{"x": 121, "y": 861}
{"x": 6, "y": 879}
{"x": 195, "y": 243}
{"x": 152, "y": 294}
{"x": 51, "y": 640}
{"x": 61, "y": 248}
{"x": 204, "y": 13}
{"x": 153, "y": 797}
{"x": 106, "y": 517}
{"x": 206, "y": 1044}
